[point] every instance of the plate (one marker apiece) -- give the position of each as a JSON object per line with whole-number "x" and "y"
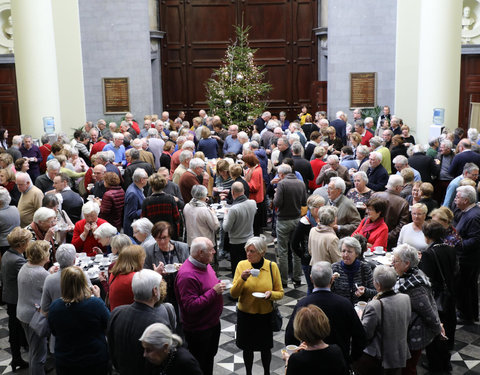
{"x": 376, "y": 252}
{"x": 367, "y": 253}
{"x": 258, "y": 294}
{"x": 170, "y": 268}
{"x": 228, "y": 283}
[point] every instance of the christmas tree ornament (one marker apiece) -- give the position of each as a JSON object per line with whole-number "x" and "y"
{"x": 228, "y": 102}
{"x": 239, "y": 77}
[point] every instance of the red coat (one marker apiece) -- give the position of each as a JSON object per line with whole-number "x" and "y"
{"x": 90, "y": 242}
{"x": 112, "y": 206}
{"x": 97, "y": 147}
{"x": 366, "y": 138}
{"x": 317, "y": 165}
{"x": 120, "y": 290}
{"x": 256, "y": 185}
{"x": 378, "y": 237}
{"x": 45, "y": 150}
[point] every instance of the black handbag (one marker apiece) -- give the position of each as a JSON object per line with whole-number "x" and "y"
{"x": 276, "y": 317}
{"x": 444, "y": 296}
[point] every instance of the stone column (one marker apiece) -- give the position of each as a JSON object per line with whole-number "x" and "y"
{"x": 439, "y": 60}
{"x": 48, "y": 64}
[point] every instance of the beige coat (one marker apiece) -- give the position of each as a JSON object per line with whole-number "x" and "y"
{"x": 323, "y": 245}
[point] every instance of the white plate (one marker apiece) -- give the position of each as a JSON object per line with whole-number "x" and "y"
{"x": 170, "y": 269}
{"x": 367, "y": 253}
{"x": 379, "y": 252}
{"x": 258, "y": 294}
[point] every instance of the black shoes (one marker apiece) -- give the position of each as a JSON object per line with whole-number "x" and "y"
{"x": 20, "y": 363}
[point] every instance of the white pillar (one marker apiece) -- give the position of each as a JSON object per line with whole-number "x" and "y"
{"x": 439, "y": 63}
{"x": 48, "y": 63}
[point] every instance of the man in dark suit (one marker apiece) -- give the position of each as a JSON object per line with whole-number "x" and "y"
{"x": 468, "y": 228}
{"x": 301, "y": 165}
{"x": 340, "y": 126}
{"x": 133, "y": 157}
{"x": 261, "y": 122}
{"x": 346, "y": 330}
{"x": 72, "y": 202}
{"x": 465, "y": 155}
{"x": 45, "y": 181}
{"x": 423, "y": 163}
{"x": 377, "y": 174}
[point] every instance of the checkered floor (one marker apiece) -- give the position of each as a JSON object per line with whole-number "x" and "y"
{"x": 465, "y": 358}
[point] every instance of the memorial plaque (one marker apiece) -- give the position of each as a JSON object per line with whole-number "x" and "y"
{"x": 363, "y": 90}
{"x": 115, "y": 95}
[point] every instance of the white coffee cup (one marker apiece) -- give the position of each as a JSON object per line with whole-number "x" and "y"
{"x": 292, "y": 349}
{"x": 361, "y": 305}
{"x": 82, "y": 255}
{"x": 254, "y": 272}
{"x": 98, "y": 257}
{"x": 378, "y": 249}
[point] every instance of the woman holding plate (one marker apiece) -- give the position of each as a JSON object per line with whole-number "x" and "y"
{"x": 256, "y": 284}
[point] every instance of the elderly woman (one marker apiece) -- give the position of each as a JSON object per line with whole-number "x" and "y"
{"x": 21, "y": 165}
{"x": 254, "y": 177}
{"x": 142, "y": 232}
{"x": 444, "y": 216}
{"x": 311, "y": 327}
{"x": 31, "y": 278}
{"x": 315, "y": 139}
{"x": 7, "y": 180}
{"x": 411, "y": 233}
{"x": 360, "y": 193}
{"x": 439, "y": 262}
{"x": 424, "y": 322}
{"x": 426, "y": 191}
{"x": 85, "y": 350}
{"x": 254, "y": 330}
{"x": 104, "y": 234}
{"x": 12, "y": 262}
{"x": 354, "y": 278}
{"x": 64, "y": 224}
{"x": 6, "y": 161}
{"x": 83, "y": 238}
{"x": 385, "y": 320}
{"x": 355, "y": 140}
{"x": 407, "y": 137}
{"x": 78, "y": 163}
{"x": 334, "y": 143}
{"x": 301, "y": 235}
{"x": 323, "y": 241}
{"x": 223, "y": 180}
{"x": 111, "y": 207}
{"x": 416, "y": 196}
{"x": 129, "y": 261}
{"x": 44, "y": 227}
{"x": 9, "y": 219}
{"x": 164, "y": 350}
{"x": 317, "y": 163}
{"x": 397, "y": 148}
{"x": 408, "y": 180}
{"x": 362, "y": 155}
{"x": 373, "y": 227}
{"x": 207, "y": 144}
{"x": 200, "y": 220}
{"x": 161, "y": 206}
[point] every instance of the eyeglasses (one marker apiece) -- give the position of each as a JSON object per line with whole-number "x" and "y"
{"x": 163, "y": 238}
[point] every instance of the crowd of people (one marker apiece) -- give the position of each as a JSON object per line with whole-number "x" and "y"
{"x": 111, "y": 243}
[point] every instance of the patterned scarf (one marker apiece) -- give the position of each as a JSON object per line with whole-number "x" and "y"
{"x": 411, "y": 279}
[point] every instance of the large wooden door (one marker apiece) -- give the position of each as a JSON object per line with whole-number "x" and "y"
{"x": 9, "y": 116}
{"x": 469, "y": 87}
{"x": 199, "y": 31}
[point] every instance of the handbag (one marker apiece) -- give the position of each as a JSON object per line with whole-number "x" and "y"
{"x": 39, "y": 323}
{"x": 444, "y": 296}
{"x": 276, "y": 318}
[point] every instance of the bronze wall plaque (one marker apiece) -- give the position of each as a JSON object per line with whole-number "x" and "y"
{"x": 363, "y": 90}
{"x": 115, "y": 95}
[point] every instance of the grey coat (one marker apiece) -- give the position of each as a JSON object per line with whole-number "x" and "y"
{"x": 348, "y": 217}
{"x": 390, "y": 336}
{"x": 155, "y": 255}
{"x": 238, "y": 221}
{"x": 12, "y": 261}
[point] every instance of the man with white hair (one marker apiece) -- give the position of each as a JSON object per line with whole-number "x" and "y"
{"x": 261, "y": 122}
{"x": 376, "y": 173}
{"x": 145, "y": 156}
{"x": 290, "y": 196}
{"x": 175, "y": 159}
{"x": 155, "y": 145}
{"x": 30, "y": 200}
{"x": 424, "y": 164}
{"x": 468, "y": 227}
{"x": 397, "y": 213}
{"x": 14, "y": 149}
{"x": 132, "y": 122}
{"x": 377, "y": 145}
{"x": 31, "y": 152}
{"x": 134, "y": 198}
{"x": 267, "y": 134}
{"x": 72, "y": 202}
{"x": 199, "y": 295}
{"x": 184, "y": 159}
{"x": 340, "y": 126}
{"x": 333, "y": 164}
{"x": 83, "y": 238}
{"x": 193, "y": 176}
{"x": 369, "y": 125}
{"x": 166, "y": 119}
{"x": 45, "y": 181}
{"x": 128, "y": 322}
{"x": 401, "y": 162}
{"x": 232, "y": 144}
{"x": 348, "y": 217}
{"x": 118, "y": 149}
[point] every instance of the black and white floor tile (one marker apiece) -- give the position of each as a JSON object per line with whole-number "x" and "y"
{"x": 229, "y": 360}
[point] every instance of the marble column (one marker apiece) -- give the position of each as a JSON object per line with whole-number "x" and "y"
{"x": 439, "y": 59}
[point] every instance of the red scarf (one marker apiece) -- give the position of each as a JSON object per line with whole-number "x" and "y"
{"x": 369, "y": 226}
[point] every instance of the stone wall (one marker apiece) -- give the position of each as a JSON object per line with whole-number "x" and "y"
{"x": 361, "y": 38}
{"x": 116, "y": 43}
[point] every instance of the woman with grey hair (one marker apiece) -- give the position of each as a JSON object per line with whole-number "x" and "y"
{"x": 44, "y": 227}
{"x": 104, "y": 234}
{"x": 301, "y": 234}
{"x": 424, "y": 323}
{"x": 164, "y": 349}
{"x": 385, "y": 321}
{"x": 412, "y": 233}
{"x": 200, "y": 220}
{"x": 142, "y": 231}
{"x": 323, "y": 241}
{"x": 360, "y": 193}
{"x": 64, "y": 224}
{"x": 353, "y": 278}
{"x": 254, "y": 313}
{"x": 9, "y": 219}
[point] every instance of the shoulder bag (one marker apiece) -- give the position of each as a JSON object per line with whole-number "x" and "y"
{"x": 276, "y": 317}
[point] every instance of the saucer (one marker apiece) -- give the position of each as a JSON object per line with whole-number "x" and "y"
{"x": 258, "y": 294}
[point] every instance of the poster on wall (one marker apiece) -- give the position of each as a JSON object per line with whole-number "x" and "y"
{"x": 363, "y": 90}
{"x": 116, "y": 99}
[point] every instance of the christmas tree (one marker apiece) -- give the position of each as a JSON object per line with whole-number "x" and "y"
{"x": 236, "y": 92}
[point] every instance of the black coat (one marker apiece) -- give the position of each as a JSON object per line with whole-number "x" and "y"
{"x": 303, "y": 167}
{"x": 377, "y": 178}
{"x": 345, "y": 326}
{"x": 128, "y": 175}
{"x": 425, "y": 165}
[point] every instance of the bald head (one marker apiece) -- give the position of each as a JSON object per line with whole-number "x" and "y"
{"x": 237, "y": 189}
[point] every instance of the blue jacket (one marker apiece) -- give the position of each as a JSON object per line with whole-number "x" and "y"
{"x": 133, "y": 208}
{"x": 377, "y": 178}
{"x": 263, "y": 159}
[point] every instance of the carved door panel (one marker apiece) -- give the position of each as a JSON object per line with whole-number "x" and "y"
{"x": 469, "y": 87}
{"x": 282, "y": 31}
{"x": 9, "y": 115}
